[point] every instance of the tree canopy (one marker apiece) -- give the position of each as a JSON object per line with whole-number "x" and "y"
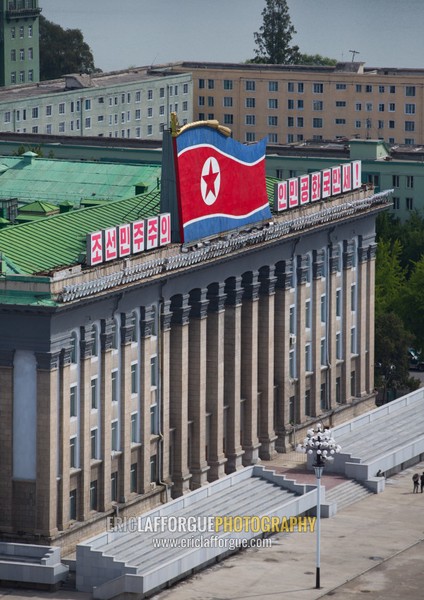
{"x": 273, "y": 40}
{"x": 274, "y": 36}
{"x": 63, "y": 51}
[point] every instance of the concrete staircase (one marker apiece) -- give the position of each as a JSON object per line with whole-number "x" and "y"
{"x": 345, "y": 494}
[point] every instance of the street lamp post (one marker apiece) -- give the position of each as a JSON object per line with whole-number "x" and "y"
{"x": 322, "y": 446}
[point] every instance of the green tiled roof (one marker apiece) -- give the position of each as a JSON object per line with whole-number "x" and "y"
{"x": 39, "y": 207}
{"x": 59, "y": 240}
{"x": 53, "y": 180}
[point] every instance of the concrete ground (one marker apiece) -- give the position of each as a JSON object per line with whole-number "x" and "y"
{"x": 373, "y": 547}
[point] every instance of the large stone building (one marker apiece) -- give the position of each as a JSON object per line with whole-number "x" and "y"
{"x": 19, "y": 45}
{"x": 166, "y": 370}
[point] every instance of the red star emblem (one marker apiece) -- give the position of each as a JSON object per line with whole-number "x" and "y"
{"x": 209, "y": 179}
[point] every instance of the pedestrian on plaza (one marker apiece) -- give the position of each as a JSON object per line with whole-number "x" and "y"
{"x": 415, "y": 479}
{"x": 422, "y": 482}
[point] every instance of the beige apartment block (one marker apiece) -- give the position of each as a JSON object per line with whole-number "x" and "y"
{"x": 290, "y": 103}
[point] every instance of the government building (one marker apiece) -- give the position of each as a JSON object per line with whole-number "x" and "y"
{"x": 137, "y": 375}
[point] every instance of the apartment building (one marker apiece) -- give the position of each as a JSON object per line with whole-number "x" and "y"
{"x": 295, "y": 103}
{"x": 19, "y": 47}
{"x": 126, "y": 104}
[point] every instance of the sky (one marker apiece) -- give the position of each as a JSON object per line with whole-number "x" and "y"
{"x": 124, "y": 33}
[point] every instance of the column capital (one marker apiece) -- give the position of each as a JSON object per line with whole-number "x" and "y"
{"x": 318, "y": 264}
{"x": 47, "y": 361}
{"x": 146, "y": 321}
{"x": 65, "y": 356}
{"x": 128, "y": 325}
{"x": 347, "y": 256}
{"x": 233, "y": 291}
{"x": 6, "y": 358}
{"x": 372, "y": 251}
{"x": 198, "y": 303}
{"x": 106, "y": 334}
{"x": 166, "y": 315}
{"x": 217, "y": 297}
{"x": 302, "y": 269}
{"x": 180, "y": 309}
{"x": 250, "y": 285}
{"x": 86, "y": 341}
{"x": 284, "y": 274}
{"x": 334, "y": 258}
{"x": 267, "y": 281}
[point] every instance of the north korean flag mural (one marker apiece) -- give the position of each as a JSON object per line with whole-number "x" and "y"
{"x": 220, "y": 182}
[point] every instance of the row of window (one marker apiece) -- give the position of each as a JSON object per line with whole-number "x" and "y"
{"x": 21, "y": 31}
{"x": 22, "y": 76}
{"x": 94, "y": 497}
{"x": 14, "y": 54}
{"x": 299, "y": 87}
{"x": 409, "y": 203}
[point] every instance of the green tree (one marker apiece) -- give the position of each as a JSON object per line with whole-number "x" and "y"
{"x": 390, "y": 277}
{"x": 316, "y": 60}
{"x": 274, "y": 36}
{"x": 63, "y": 51}
{"x": 412, "y": 309}
{"x": 392, "y": 341}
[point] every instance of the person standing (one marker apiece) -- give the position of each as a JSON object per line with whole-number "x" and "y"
{"x": 415, "y": 479}
{"x": 422, "y": 482}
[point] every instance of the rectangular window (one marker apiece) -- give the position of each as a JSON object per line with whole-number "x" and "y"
{"x": 299, "y": 121}
{"x": 381, "y": 89}
{"x": 410, "y": 90}
{"x": 134, "y": 378}
{"x": 340, "y": 86}
{"x": 114, "y": 386}
{"x": 323, "y": 397}
{"x": 73, "y": 453}
{"x": 392, "y": 107}
{"x": 114, "y": 436}
{"x": 211, "y": 101}
{"x": 7, "y": 116}
{"x": 358, "y": 88}
{"x": 228, "y": 101}
{"x": 353, "y": 297}
{"x": 73, "y": 400}
{"x": 300, "y": 88}
{"x": 391, "y": 124}
{"x": 292, "y": 367}
{"x": 409, "y": 203}
{"x": 290, "y": 121}
{"x": 228, "y": 84}
{"x": 410, "y": 181}
{"x": 272, "y": 137}
{"x": 290, "y": 104}
{"x": 114, "y": 486}
{"x": 353, "y": 340}
{"x": 368, "y": 106}
{"x": 290, "y": 86}
{"x": 134, "y": 428}
{"x": 94, "y": 393}
{"x": 250, "y": 103}
{"x": 228, "y": 119}
{"x": 88, "y": 122}
{"x": 93, "y": 495}
{"x": 88, "y": 104}
{"x": 392, "y": 89}
{"x": 62, "y": 108}
{"x": 308, "y": 404}
{"x": 358, "y": 124}
{"x": 273, "y": 86}
{"x": 308, "y": 358}
{"x": 381, "y": 107}
{"x": 368, "y": 89}
{"x": 340, "y": 121}
{"x": 273, "y": 121}
{"x": 308, "y": 314}
{"x": 318, "y": 88}
{"x": 73, "y": 505}
{"x": 318, "y": 105}
{"x": 133, "y": 478}
{"x": 149, "y": 94}
{"x": 340, "y": 103}
{"x": 409, "y": 125}
{"x": 201, "y": 101}
{"x": 396, "y": 203}
{"x": 317, "y": 123}
{"x": 410, "y": 109}
{"x": 250, "y": 85}
{"x": 153, "y": 371}
{"x": 94, "y": 444}
{"x": 338, "y": 346}
{"x": 338, "y": 303}
{"x": 250, "y": 136}
{"x": 250, "y": 120}
{"x": 395, "y": 181}
{"x": 49, "y": 110}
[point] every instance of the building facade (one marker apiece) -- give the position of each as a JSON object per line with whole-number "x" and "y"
{"x": 127, "y": 104}
{"x": 150, "y": 376}
{"x": 296, "y": 103}
{"x": 20, "y": 46}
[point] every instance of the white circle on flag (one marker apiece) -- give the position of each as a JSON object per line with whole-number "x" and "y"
{"x": 210, "y": 180}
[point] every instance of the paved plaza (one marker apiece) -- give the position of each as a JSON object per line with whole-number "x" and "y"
{"x": 373, "y": 548}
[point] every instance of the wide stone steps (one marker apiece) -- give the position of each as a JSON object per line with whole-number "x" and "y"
{"x": 346, "y": 493}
